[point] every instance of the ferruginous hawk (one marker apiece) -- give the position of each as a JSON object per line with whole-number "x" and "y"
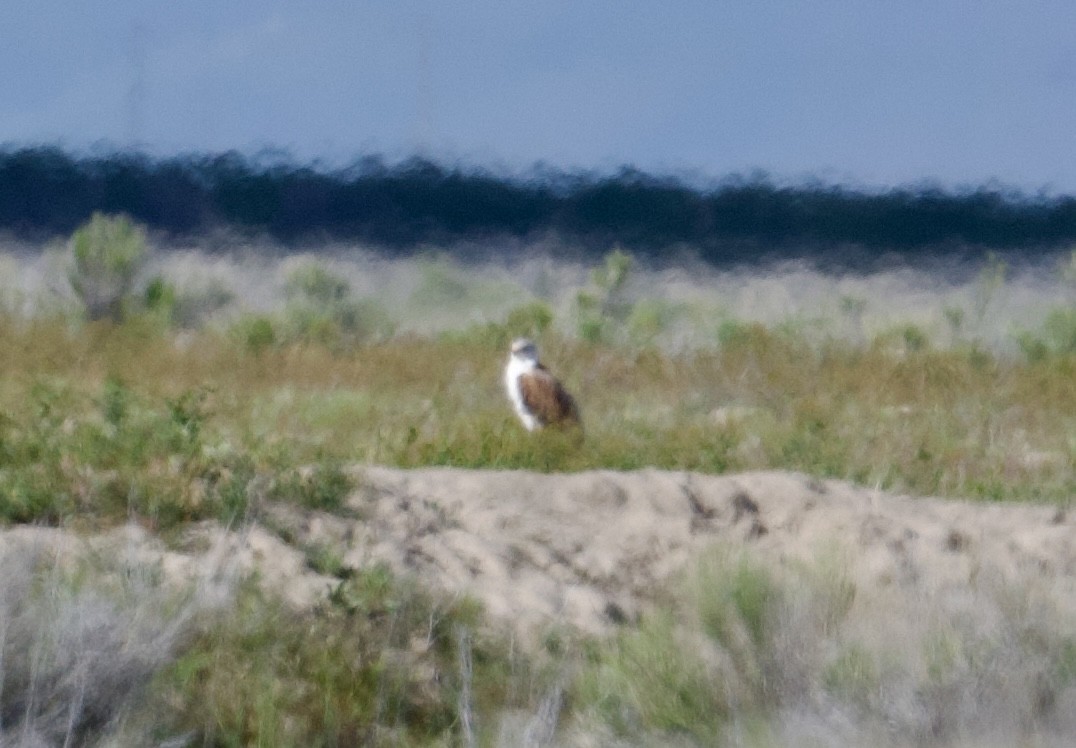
{"x": 539, "y": 399}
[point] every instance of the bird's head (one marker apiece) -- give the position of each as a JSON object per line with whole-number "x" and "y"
{"x": 524, "y": 349}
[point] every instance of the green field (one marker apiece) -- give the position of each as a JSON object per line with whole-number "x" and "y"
{"x": 207, "y": 395}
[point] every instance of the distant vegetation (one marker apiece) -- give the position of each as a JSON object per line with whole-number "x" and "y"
{"x": 48, "y": 192}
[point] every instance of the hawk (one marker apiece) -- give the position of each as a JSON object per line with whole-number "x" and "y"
{"x": 539, "y": 399}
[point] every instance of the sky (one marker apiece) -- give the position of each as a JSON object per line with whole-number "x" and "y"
{"x": 868, "y": 94}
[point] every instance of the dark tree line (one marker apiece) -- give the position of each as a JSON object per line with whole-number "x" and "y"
{"x": 46, "y": 192}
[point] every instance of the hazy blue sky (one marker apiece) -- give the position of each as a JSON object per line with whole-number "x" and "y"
{"x": 859, "y": 92}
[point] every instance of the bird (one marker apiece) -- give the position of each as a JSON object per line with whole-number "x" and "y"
{"x": 539, "y": 399}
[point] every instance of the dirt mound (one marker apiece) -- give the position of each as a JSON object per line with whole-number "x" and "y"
{"x": 588, "y": 550}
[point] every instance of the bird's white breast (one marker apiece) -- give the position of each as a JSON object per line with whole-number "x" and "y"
{"x": 516, "y": 367}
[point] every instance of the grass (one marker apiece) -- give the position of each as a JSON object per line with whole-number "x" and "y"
{"x": 749, "y": 652}
{"x": 124, "y": 421}
{"x": 166, "y": 423}
{"x": 376, "y": 666}
{"x": 99, "y": 650}
{"x": 72, "y": 449}
{"x": 83, "y": 642}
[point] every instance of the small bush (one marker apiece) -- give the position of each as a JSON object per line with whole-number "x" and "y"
{"x": 80, "y": 647}
{"x": 529, "y": 320}
{"x": 649, "y": 319}
{"x": 320, "y": 310}
{"x": 735, "y": 599}
{"x": 651, "y": 679}
{"x": 902, "y": 340}
{"x": 602, "y": 309}
{"x": 188, "y": 308}
{"x": 160, "y": 297}
{"x": 120, "y": 455}
{"x": 108, "y": 253}
{"x": 1059, "y": 330}
{"x": 1057, "y": 337}
{"x": 686, "y": 669}
{"x": 440, "y": 285}
{"x": 732, "y": 333}
{"x": 255, "y": 333}
{"x": 316, "y": 284}
{"x": 323, "y": 486}
{"x": 377, "y": 665}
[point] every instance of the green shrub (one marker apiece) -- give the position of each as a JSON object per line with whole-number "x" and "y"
{"x": 602, "y": 309}
{"x": 118, "y": 455}
{"x": 591, "y": 325}
{"x": 990, "y": 280}
{"x": 376, "y": 665}
{"x": 316, "y": 284}
{"x": 255, "y": 333}
{"x": 320, "y": 310}
{"x": 440, "y": 285}
{"x": 108, "y": 252}
{"x": 1057, "y": 338}
{"x": 529, "y": 320}
{"x": 649, "y": 318}
{"x": 160, "y": 297}
{"x": 903, "y": 339}
{"x": 686, "y": 668}
{"x": 186, "y": 308}
{"x": 322, "y": 486}
{"x": 612, "y": 275}
{"x": 1032, "y": 346}
{"x": 649, "y": 678}
{"x": 852, "y": 675}
{"x": 336, "y": 325}
{"x": 853, "y": 308}
{"x": 735, "y": 598}
{"x": 1059, "y": 330}
{"x": 733, "y": 333}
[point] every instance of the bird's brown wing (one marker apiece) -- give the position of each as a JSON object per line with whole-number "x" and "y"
{"x": 547, "y": 399}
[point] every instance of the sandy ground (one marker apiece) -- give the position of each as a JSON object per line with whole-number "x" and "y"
{"x": 589, "y": 550}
